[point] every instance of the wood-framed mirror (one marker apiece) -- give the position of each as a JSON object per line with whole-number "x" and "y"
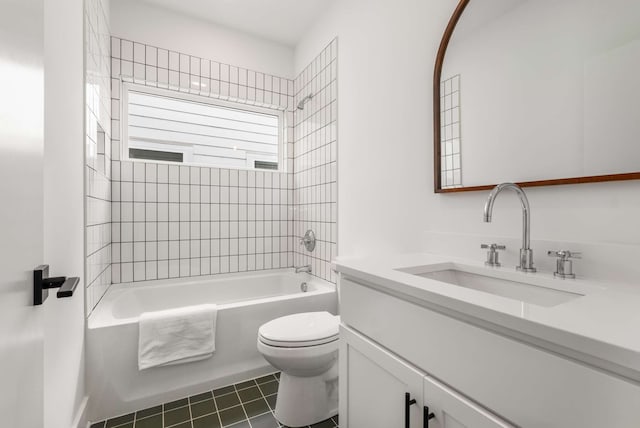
{"x": 537, "y": 92}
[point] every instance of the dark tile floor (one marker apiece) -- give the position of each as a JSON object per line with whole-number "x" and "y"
{"x": 247, "y": 404}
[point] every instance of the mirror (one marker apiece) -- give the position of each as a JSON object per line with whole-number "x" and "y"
{"x": 537, "y": 92}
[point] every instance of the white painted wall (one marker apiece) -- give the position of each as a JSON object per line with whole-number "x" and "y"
{"x": 64, "y": 321}
{"x": 385, "y": 173}
{"x": 144, "y": 23}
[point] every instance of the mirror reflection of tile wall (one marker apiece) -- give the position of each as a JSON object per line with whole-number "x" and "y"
{"x": 450, "y": 150}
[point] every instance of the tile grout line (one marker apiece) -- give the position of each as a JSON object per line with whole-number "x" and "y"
{"x": 215, "y": 404}
{"x": 242, "y": 404}
{"x": 273, "y": 412}
{"x": 190, "y": 414}
{"x": 217, "y": 410}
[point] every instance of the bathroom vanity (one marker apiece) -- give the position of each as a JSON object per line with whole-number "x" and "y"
{"x": 429, "y": 341}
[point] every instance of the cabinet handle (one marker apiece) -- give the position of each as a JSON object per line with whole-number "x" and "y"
{"x": 427, "y": 416}
{"x": 408, "y": 402}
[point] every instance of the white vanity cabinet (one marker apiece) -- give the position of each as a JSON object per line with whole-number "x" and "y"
{"x": 468, "y": 375}
{"x": 380, "y": 390}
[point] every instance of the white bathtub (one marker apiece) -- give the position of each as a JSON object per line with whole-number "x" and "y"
{"x": 245, "y": 301}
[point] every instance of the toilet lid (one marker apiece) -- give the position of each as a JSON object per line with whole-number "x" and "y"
{"x": 306, "y": 329}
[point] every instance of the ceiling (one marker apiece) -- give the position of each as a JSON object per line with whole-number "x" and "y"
{"x": 282, "y": 21}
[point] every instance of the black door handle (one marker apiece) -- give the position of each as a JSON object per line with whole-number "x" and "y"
{"x": 408, "y": 402}
{"x": 427, "y": 417}
{"x": 42, "y": 283}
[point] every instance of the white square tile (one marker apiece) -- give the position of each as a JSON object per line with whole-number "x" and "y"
{"x": 138, "y": 251}
{"x": 151, "y": 268}
{"x": 174, "y": 250}
{"x": 151, "y": 251}
{"x": 162, "y": 230}
{"x": 163, "y": 250}
{"x": 163, "y": 269}
{"x": 126, "y": 232}
{"x": 139, "y": 271}
{"x": 139, "y": 53}
{"x": 139, "y": 212}
{"x": 150, "y": 192}
{"x": 151, "y": 55}
{"x": 151, "y": 231}
{"x": 163, "y": 58}
{"x": 139, "y": 231}
{"x": 126, "y": 252}
{"x": 126, "y": 270}
{"x": 126, "y": 50}
{"x": 139, "y": 172}
{"x": 174, "y": 268}
{"x": 185, "y": 267}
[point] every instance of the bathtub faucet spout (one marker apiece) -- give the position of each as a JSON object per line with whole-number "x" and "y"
{"x": 306, "y": 268}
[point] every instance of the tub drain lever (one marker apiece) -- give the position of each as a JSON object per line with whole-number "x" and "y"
{"x": 42, "y": 283}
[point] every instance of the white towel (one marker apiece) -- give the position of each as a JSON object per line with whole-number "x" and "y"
{"x": 176, "y": 336}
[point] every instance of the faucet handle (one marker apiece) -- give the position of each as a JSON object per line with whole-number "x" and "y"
{"x": 493, "y": 247}
{"x": 564, "y": 254}
{"x": 564, "y": 265}
{"x": 309, "y": 240}
{"x": 492, "y": 254}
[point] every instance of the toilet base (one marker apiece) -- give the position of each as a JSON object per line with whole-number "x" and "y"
{"x": 305, "y": 401}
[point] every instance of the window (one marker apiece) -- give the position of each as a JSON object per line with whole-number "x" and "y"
{"x": 168, "y": 126}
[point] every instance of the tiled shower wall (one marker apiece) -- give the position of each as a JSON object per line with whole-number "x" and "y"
{"x": 315, "y": 162}
{"x": 97, "y": 151}
{"x": 173, "y": 221}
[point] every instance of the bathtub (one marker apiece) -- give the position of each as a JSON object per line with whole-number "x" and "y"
{"x": 245, "y": 301}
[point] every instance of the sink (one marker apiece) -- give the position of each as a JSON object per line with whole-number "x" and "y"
{"x": 512, "y": 285}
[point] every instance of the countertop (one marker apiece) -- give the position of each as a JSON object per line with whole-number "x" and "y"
{"x": 601, "y": 328}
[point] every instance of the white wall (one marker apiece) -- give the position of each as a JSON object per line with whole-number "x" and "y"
{"x": 64, "y": 388}
{"x": 385, "y": 56}
{"x": 138, "y": 21}
{"x": 385, "y": 174}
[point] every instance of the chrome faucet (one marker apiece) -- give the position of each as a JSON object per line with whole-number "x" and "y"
{"x": 306, "y": 268}
{"x": 526, "y": 253}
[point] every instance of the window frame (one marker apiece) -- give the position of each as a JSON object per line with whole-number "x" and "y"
{"x": 127, "y": 87}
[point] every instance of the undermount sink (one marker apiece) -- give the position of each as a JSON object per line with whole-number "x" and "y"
{"x": 512, "y": 285}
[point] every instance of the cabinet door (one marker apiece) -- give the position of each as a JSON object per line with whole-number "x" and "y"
{"x": 374, "y": 384}
{"x": 452, "y": 410}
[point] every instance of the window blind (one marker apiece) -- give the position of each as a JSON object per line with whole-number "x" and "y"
{"x": 203, "y": 133}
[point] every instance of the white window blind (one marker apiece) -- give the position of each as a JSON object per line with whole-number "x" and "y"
{"x": 206, "y": 133}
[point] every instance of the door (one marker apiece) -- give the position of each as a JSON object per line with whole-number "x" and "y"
{"x": 452, "y": 410}
{"x": 374, "y": 385}
{"x": 41, "y": 211}
{"x": 21, "y": 218}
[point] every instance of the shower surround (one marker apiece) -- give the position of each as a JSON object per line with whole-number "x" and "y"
{"x": 175, "y": 221}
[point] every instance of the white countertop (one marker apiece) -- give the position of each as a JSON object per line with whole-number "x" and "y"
{"x": 601, "y": 328}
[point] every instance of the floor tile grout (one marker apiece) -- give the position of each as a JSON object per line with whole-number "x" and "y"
{"x": 265, "y": 398}
{"x": 243, "y": 409}
{"x": 210, "y": 395}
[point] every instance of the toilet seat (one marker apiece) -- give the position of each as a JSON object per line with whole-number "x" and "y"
{"x": 300, "y": 330}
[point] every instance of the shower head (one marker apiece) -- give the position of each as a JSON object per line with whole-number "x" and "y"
{"x": 304, "y": 101}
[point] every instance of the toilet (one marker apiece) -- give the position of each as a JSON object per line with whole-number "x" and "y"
{"x": 305, "y": 348}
